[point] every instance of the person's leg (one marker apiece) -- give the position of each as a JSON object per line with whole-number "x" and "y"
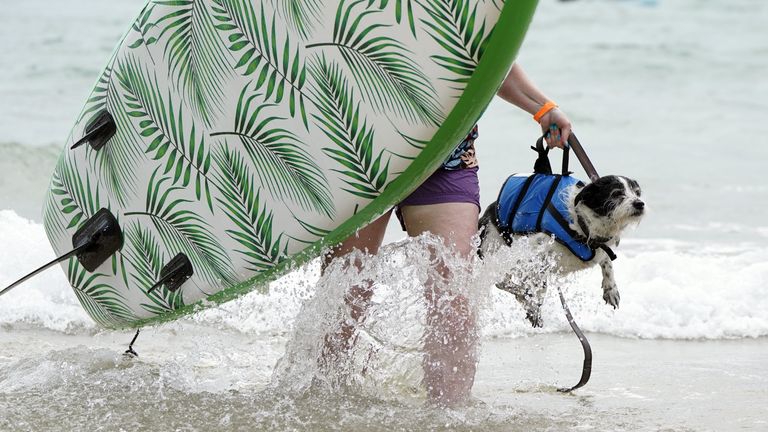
{"x": 450, "y": 337}
{"x": 358, "y": 297}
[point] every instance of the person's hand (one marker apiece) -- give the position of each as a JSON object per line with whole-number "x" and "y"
{"x": 556, "y": 127}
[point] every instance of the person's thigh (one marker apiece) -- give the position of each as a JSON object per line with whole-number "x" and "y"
{"x": 366, "y": 240}
{"x": 455, "y": 223}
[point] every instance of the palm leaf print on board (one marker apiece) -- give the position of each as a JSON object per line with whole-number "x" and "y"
{"x": 183, "y": 155}
{"x": 255, "y": 43}
{"x": 282, "y": 163}
{"x": 242, "y": 203}
{"x": 117, "y": 161}
{"x": 147, "y": 259}
{"x": 300, "y": 15}
{"x": 195, "y": 55}
{"x": 184, "y": 230}
{"x": 104, "y": 304}
{"x": 454, "y": 25}
{"x": 75, "y": 197}
{"x": 403, "y": 9}
{"x": 381, "y": 66}
{"x": 365, "y": 171}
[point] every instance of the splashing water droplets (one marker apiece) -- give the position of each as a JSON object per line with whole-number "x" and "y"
{"x": 369, "y": 325}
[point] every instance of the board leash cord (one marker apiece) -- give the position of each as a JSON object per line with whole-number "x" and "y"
{"x": 130, "y": 353}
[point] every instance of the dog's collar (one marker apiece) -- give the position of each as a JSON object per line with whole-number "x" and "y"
{"x": 593, "y": 242}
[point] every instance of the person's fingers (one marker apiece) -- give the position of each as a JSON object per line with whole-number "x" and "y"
{"x": 556, "y": 129}
{"x": 557, "y": 141}
{"x": 554, "y": 132}
{"x": 545, "y": 132}
{"x": 566, "y": 132}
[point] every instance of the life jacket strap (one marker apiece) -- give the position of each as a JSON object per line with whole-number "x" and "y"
{"x": 562, "y": 222}
{"x": 592, "y": 244}
{"x": 608, "y": 251}
{"x": 548, "y": 201}
{"x": 542, "y": 165}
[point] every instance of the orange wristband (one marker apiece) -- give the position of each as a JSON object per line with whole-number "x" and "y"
{"x": 547, "y": 107}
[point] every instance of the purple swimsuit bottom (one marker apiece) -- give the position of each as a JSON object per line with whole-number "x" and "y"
{"x": 454, "y": 182}
{"x": 444, "y": 186}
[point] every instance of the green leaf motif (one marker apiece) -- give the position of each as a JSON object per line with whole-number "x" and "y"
{"x": 141, "y": 28}
{"x": 147, "y": 259}
{"x": 315, "y": 232}
{"x": 241, "y": 203}
{"x": 278, "y": 68}
{"x": 365, "y": 171}
{"x": 283, "y": 165}
{"x": 195, "y": 54}
{"x": 403, "y": 8}
{"x": 382, "y": 67}
{"x": 498, "y": 4}
{"x": 454, "y": 26}
{"x": 183, "y": 230}
{"x": 184, "y": 156}
{"x": 301, "y": 15}
{"x": 77, "y": 199}
{"x": 103, "y": 303}
{"x": 116, "y": 162}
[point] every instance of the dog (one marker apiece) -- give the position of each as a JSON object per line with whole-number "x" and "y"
{"x": 586, "y": 221}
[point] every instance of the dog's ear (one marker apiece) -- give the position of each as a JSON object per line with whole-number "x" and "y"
{"x": 579, "y": 196}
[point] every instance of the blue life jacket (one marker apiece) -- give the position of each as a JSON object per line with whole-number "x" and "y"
{"x": 537, "y": 203}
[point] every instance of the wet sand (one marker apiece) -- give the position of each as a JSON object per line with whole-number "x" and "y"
{"x": 718, "y": 385}
{"x": 219, "y": 380}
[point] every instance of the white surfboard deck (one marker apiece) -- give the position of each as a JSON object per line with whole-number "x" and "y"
{"x": 253, "y": 134}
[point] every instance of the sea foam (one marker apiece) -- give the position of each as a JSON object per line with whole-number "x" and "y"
{"x": 669, "y": 289}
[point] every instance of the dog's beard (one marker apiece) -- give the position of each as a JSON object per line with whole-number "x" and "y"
{"x": 621, "y": 215}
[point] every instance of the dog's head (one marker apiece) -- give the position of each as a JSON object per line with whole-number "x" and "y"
{"x": 608, "y": 205}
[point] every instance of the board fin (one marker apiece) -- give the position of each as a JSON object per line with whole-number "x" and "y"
{"x": 95, "y": 242}
{"x": 99, "y": 131}
{"x": 174, "y": 274}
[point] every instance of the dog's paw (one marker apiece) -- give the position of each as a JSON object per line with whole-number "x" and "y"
{"x": 611, "y": 296}
{"x": 534, "y": 317}
{"x": 533, "y": 314}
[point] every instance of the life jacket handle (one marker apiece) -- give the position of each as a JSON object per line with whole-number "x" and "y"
{"x": 581, "y": 155}
{"x": 542, "y": 165}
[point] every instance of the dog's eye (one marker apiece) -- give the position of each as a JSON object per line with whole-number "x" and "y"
{"x": 617, "y": 194}
{"x": 638, "y": 192}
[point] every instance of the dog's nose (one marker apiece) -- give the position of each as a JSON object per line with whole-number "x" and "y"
{"x": 639, "y": 205}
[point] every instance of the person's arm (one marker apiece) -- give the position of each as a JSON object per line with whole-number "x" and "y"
{"x": 519, "y": 90}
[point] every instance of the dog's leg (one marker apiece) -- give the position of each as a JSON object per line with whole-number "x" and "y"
{"x": 610, "y": 290}
{"x": 527, "y": 295}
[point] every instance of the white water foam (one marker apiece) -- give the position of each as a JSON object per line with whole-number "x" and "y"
{"x": 45, "y": 301}
{"x": 670, "y": 289}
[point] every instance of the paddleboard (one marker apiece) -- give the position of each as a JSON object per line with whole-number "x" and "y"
{"x": 233, "y": 140}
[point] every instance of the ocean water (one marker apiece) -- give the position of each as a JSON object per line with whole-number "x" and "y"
{"x": 670, "y": 92}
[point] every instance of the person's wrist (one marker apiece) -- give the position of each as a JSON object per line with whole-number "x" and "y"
{"x": 544, "y": 110}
